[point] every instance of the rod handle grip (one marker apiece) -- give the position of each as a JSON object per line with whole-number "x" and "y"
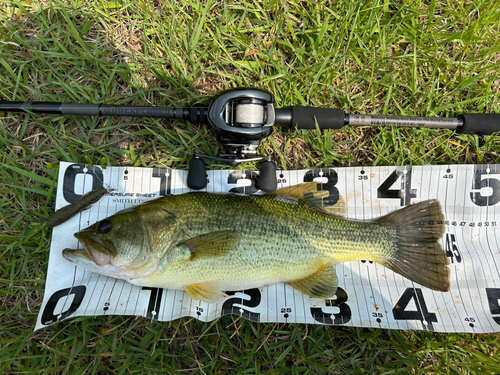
{"x": 480, "y": 123}
{"x": 327, "y": 118}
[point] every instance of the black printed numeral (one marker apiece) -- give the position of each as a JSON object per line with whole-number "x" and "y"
{"x": 452, "y": 249}
{"x": 49, "y": 313}
{"x": 482, "y": 179}
{"x": 405, "y": 193}
{"x": 165, "y": 177}
{"x": 493, "y": 295}
{"x": 421, "y": 313}
{"x": 69, "y": 180}
{"x": 154, "y": 304}
{"x": 247, "y": 175}
{"x": 229, "y": 305}
{"x": 342, "y": 317}
{"x": 332, "y": 179}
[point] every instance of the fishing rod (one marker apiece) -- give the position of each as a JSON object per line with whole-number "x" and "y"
{"x": 242, "y": 118}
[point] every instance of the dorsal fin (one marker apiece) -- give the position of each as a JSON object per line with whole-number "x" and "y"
{"x": 317, "y": 195}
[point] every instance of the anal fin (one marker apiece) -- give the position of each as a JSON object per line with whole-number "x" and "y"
{"x": 321, "y": 284}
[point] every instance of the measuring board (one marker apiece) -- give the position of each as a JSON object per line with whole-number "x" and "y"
{"x": 369, "y": 295}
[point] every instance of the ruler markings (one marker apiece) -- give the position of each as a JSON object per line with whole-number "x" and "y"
{"x": 364, "y": 273}
{"x": 462, "y": 268}
{"x": 113, "y": 281}
{"x": 101, "y": 293}
{"x": 192, "y": 306}
{"x": 376, "y": 303}
{"x": 451, "y": 186}
{"x": 472, "y": 273}
{"x": 451, "y": 189}
{"x": 466, "y": 279}
{"x": 481, "y": 283}
{"x": 488, "y": 246}
{"x": 486, "y": 225}
{"x": 438, "y": 311}
{"x": 118, "y": 298}
{"x": 89, "y": 303}
{"x": 136, "y": 305}
{"x": 385, "y": 287}
{"x": 386, "y": 290}
{"x": 353, "y": 282}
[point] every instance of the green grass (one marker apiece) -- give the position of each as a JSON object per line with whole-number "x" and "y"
{"x": 429, "y": 58}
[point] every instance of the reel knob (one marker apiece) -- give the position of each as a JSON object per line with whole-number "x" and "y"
{"x": 197, "y": 174}
{"x": 267, "y": 177}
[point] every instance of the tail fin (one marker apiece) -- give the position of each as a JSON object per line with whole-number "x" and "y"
{"x": 419, "y": 256}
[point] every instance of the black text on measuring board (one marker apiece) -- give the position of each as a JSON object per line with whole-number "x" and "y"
{"x": 405, "y": 193}
{"x": 331, "y": 177}
{"x": 241, "y": 306}
{"x": 251, "y": 177}
{"x": 452, "y": 249}
{"x": 401, "y": 311}
{"x": 485, "y": 190}
{"x": 342, "y": 317}
{"x": 493, "y": 295}
{"x": 62, "y": 304}
{"x": 71, "y": 175}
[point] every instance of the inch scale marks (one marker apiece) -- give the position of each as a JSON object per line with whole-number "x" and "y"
{"x": 369, "y": 295}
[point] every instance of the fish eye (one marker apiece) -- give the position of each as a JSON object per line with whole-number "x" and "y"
{"x": 104, "y": 226}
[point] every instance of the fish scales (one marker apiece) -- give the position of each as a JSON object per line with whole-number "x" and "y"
{"x": 295, "y": 225}
{"x": 209, "y": 243}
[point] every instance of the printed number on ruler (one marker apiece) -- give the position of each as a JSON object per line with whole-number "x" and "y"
{"x": 229, "y": 306}
{"x": 154, "y": 305}
{"x": 342, "y": 317}
{"x": 493, "y": 295}
{"x": 405, "y": 193}
{"x": 165, "y": 176}
{"x": 70, "y": 178}
{"x": 329, "y": 178}
{"x": 62, "y": 304}
{"x": 452, "y": 249}
{"x": 246, "y": 182}
{"x": 421, "y": 313}
{"x": 486, "y": 185}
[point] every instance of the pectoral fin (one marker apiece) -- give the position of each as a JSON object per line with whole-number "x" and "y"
{"x": 207, "y": 292}
{"x": 321, "y": 284}
{"x": 212, "y": 244}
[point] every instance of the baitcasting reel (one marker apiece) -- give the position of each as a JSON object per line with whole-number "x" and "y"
{"x": 241, "y": 118}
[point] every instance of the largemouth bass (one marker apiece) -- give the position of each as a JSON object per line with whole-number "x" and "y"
{"x": 207, "y": 243}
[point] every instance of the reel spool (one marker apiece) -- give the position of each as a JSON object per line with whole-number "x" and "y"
{"x": 242, "y": 118}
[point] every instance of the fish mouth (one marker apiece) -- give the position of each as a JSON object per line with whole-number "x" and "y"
{"x": 76, "y": 255}
{"x": 96, "y": 250}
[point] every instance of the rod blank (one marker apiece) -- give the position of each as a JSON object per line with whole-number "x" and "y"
{"x": 297, "y": 117}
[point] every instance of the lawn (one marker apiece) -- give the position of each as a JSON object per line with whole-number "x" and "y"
{"x": 420, "y": 58}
